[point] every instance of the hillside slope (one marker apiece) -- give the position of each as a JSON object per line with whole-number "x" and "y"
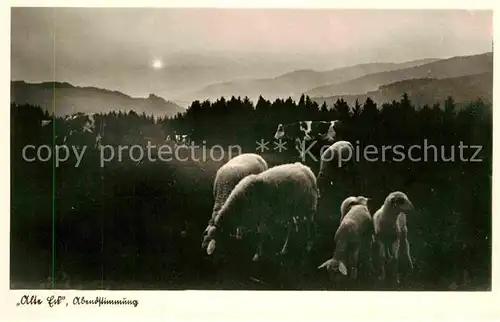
{"x": 447, "y": 68}
{"x": 295, "y": 83}
{"x": 426, "y": 91}
{"x": 70, "y": 99}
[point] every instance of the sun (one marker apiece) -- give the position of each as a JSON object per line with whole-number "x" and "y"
{"x": 157, "y": 64}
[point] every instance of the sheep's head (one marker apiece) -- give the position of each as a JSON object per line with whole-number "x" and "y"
{"x": 280, "y": 132}
{"x": 363, "y": 200}
{"x": 213, "y": 232}
{"x": 349, "y": 202}
{"x": 209, "y": 237}
{"x": 335, "y": 268}
{"x": 399, "y": 201}
{"x": 340, "y": 154}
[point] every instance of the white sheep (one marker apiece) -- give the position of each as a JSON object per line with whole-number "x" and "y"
{"x": 337, "y": 155}
{"x": 391, "y": 233}
{"x": 354, "y": 233}
{"x": 282, "y": 195}
{"x": 228, "y": 176}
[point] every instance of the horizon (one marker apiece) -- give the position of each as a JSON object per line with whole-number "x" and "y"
{"x": 172, "y": 51}
{"x": 291, "y": 71}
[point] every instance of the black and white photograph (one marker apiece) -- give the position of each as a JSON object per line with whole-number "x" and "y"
{"x": 250, "y": 149}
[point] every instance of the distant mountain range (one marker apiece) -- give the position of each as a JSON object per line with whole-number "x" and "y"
{"x": 446, "y": 68}
{"x": 426, "y": 91}
{"x": 68, "y": 99}
{"x": 297, "y": 82}
{"x": 426, "y": 81}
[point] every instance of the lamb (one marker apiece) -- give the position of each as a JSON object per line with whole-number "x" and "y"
{"x": 228, "y": 176}
{"x": 391, "y": 232}
{"x": 354, "y": 233}
{"x": 280, "y": 196}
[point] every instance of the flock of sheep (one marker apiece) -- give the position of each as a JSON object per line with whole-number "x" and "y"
{"x": 250, "y": 197}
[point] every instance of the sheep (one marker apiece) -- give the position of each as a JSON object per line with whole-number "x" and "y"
{"x": 282, "y": 195}
{"x": 335, "y": 156}
{"x": 327, "y": 222}
{"x": 228, "y": 176}
{"x": 354, "y": 233}
{"x": 332, "y": 170}
{"x": 232, "y": 172}
{"x": 391, "y": 232}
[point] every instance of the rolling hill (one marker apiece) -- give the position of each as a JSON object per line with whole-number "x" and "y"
{"x": 70, "y": 99}
{"x": 295, "y": 83}
{"x": 426, "y": 91}
{"x": 446, "y": 68}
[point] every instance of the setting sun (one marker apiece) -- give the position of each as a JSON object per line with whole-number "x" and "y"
{"x": 157, "y": 64}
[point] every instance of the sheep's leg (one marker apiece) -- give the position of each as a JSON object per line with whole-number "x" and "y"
{"x": 381, "y": 259}
{"x": 395, "y": 261}
{"x": 354, "y": 263}
{"x": 389, "y": 252}
{"x": 369, "y": 241}
{"x": 263, "y": 233}
{"x": 407, "y": 252}
{"x": 405, "y": 262}
{"x": 310, "y": 228}
{"x": 289, "y": 228}
{"x": 258, "y": 253}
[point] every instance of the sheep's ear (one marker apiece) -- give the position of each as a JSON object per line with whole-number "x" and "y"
{"x": 342, "y": 268}
{"x": 211, "y": 247}
{"x": 325, "y": 264}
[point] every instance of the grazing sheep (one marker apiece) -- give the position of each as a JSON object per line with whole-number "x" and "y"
{"x": 354, "y": 233}
{"x": 228, "y": 176}
{"x": 391, "y": 233}
{"x": 232, "y": 172}
{"x": 334, "y": 178}
{"x": 280, "y": 196}
{"x": 336, "y": 155}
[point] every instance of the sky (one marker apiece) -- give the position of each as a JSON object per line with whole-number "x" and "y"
{"x": 120, "y": 48}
